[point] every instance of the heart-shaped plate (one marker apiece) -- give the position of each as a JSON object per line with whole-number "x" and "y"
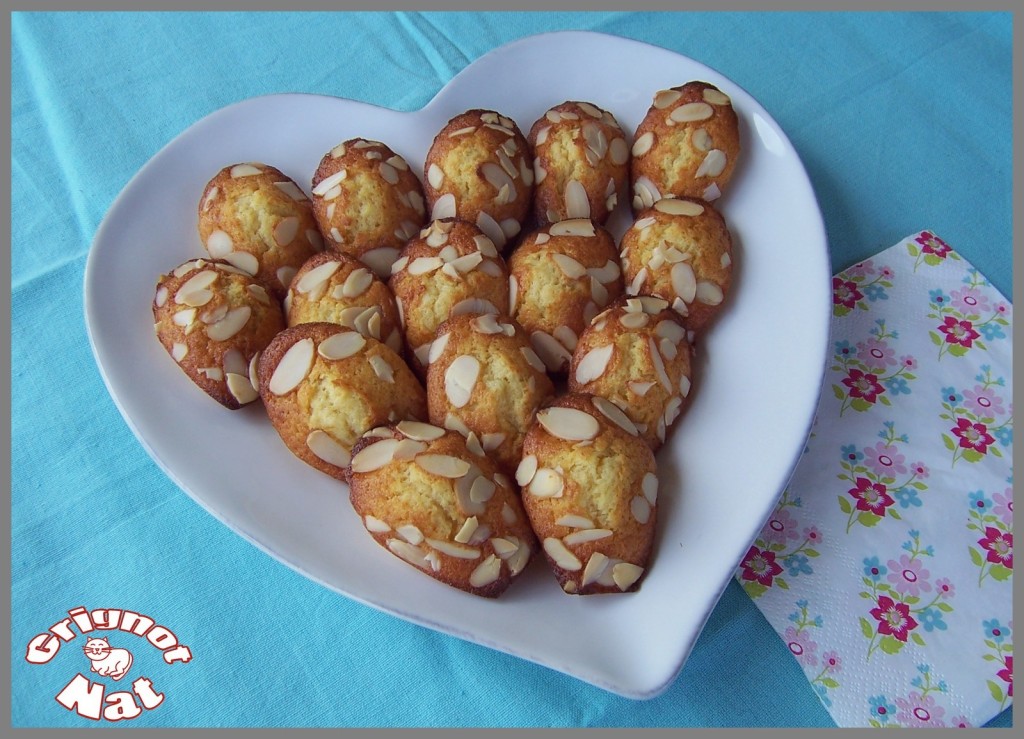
{"x": 727, "y": 461}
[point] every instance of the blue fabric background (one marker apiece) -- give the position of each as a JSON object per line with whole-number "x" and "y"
{"x": 902, "y": 120}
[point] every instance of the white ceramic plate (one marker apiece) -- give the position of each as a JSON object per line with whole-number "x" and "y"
{"x": 727, "y": 462}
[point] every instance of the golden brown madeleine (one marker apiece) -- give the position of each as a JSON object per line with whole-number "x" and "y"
{"x": 485, "y": 380}
{"x": 590, "y": 488}
{"x": 561, "y": 276}
{"x": 336, "y": 288}
{"x": 636, "y": 355}
{"x": 686, "y": 145}
{"x": 580, "y": 165}
{"x": 253, "y": 216}
{"x": 367, "y": 202}
{"x": 680, "y": 250}
{"x": 479, "y": 169}
{"x": 214, "y": 319}
{"x": 324, "y": 386}
{"x": 449, "y": 269}
{"x": 423, "y": 495}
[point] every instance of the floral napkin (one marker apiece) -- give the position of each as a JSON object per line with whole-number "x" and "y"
{"x": 887, "y": 566}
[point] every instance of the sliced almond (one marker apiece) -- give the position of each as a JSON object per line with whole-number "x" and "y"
{"x": 468, "y": 528}
{"x": 561, "y": 555}
{"x": 691, "y": 112}
{"x": 513, "y": 293}
{"x": 420, "y": 431}
{"x": 327, "y": 449}
{"x": 444, "y": 207}
{"x": 649, "y": 485}
{"x": 195, "y": 289}
{"x": 219, "y": 244}
{"x": 460, "y": 379}
{"x": 424, "y": 265}
{"x": 285, "y": 230}
{"x": 593, "y": 364}
{"x": 596, "y": 566}
{"x": 327, "y": 183}
{"x": 566, "y": 337}
{"x": 443, "y": 465}
{"x": 659, "y": 365}
{"x": 341, "y": 345}
{"x": 551, "y": 352}
{"x": 676, "y": 207}
{"x": 486, "y": 572}
{"x": 526, "y": 470}
{"x": 713, "y": 164}
{"x": 576, "y": 522}
{"x": 357, "y": 282}
{"x": 546, "y": 483}
{"x": 640, "y": 509}
{"x": 614, "y": 414}
{"x": 625, "y": 575}
{"x": 316, "y": 277}
{"x": 375, "y": 525}
{"x": 532, "y": 359}
{"x": 569, "y": 266}
{"x": 568, "y": 423}
{"x": 665, "y": 98}
{"x": 293, "y": 367}
{"x": 684, "y": 282}
{"x": 411, "y": 554}
{"x": 382, "y": 369}
{"x": 407, "y": 449}
{"x": 380, "y": 260}
{"x": 577, "y": 204}
{"x": 701, "y": 140}
{"x": 618, "y": 150}
{"x": 582, "y": 537}
{"x": 375, "y": 456}
{"x": 240, "y": 387}
{"x": 233, "y": 322}
{"x": 245, "y": 170}
{"x": 716, "y": 97}
{"x": 641, "y": 388}
{"x": 436, "y": 348}
{"x": 573, "y": 227}
{"x": 709, "y": 293}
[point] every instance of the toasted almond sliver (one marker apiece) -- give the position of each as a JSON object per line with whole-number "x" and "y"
{"x": 375, "y": 525}
{"x": 573, "y": 227}
{"x": 625, "y": 574}
{"x": 327, "y": 449}
{"x": 324, "y": 185}
{"x": 716, "y": 97}
{"x": 341, "y": 345}
{"x": 581, "y": 537}
{"x": 550, "y": 350}
{"x": 568, "y": 423}
{"x": 593, "y": 364}
{"x": 532, "y": 359}
{"x": 665, "y": 98}
{"x": 411, "y": 554}
{"x": 231, "y": 324}
{"x": 547, "y": 483}
{"x": 596, "y": 566}
{"x": 375, "y": 456}
{"x": 443, "y": 465}
{"x": 614, "y": 414}
{"x": 618, "y": 150}
{"x": 468, "y": 528}
{"x": 569, "y": 266}
{"x": 677, "y": 207}
{"x": 713, "y": 164}
{"x": 486, "y": 572}
{"x": 357, "y": 282}
{"x": 219, "y": 244}
{"x": 640, "y": 509}
{"x": 420, "y": 431}
{"x": 649, "y": 486}
{"x": 444, "y": 207}
{"x": 460, "y": 378}
{"x": 245, "y": 170}
{"x": 577, "y": 204}
{"x": 454, "y": 550}
{"x": 526, "y": 470}
{"x": 574, "y": 521}
{"x": 709, "y": 293}
{"x": 684, "y": 282}
{"x": 292, "y": 368}
{"x": 691, "y": 112}
{"x": 561, "y": 555}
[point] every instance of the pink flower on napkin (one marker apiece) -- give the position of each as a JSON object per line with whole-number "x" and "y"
{"x": 884, "y": 460}
{"x": 871, "y": 496}
{"x": 999, "y": 546}
{"x": 893, "y": 618}
{"x": 802, "y": 646}
{"x": 959, "y": 332}
{"x": 845, "y": 293}
{"x": 972, "y": 435}
{"x": 983, "y": 402}
{"x": 908, "y": 576}
{"x": 759, "y": 565}
{"x": 1006, "y": 674}
{"x": 919, "y": 710}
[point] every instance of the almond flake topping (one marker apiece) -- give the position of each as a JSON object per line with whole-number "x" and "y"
{"x": 691, "y": 112}
{"x": 382, "y": 369}
{"x": 327, "y": 449}
{"x": 467, "y": 530}
{"x": 679, "y": 207}
{"x": 568, "y": 423}
{"x": 550, "y": 350}
{"x": 410, "y": 532}
{"x": 569, "y": 266}
{"x": 420, "y": 431}
{"x": 640, "y": 509}
{"x": 614, "y": 414}
{"x": 460, "y": 378}
{"x": 716, "y": 97}
{"x": 665, "y": 98}
{"x": 634, "y": 320}
{"x": 444, "y": 207}
{"x": 233, "y": 322}
{"x": 596, "y": 566}
{"x": 593, "y": 364}
{"x": 581, "y": 537}
{"x": 179, "y": 351}
{"x": 436, "y": 348}
{"x": 454, "y": 550}
{"x": 486, "y": 572}
{"x": 411, "y": 554}
{"x": 375, "y": 525}
{"x": 625, "y": 574}
{"x": 443, "y": 465}
{"x": 532, "y": 359}
{"x": 684, "y": 282}
{"x": 573, "y": 521}
{"x": 643, "y": 144}
{"x": 547, "y": 483}
{"x": 618, "y": 150}
{"x": 341, "y": 345}
{"x": 577, "y": 205}
{"x": 573, "y": 227}
{"x": 709, "y": 293}
{"x": 375, "y": 456}
{"x": 561, "y": 555}
{"x": 491, "y": 228}
{"x": 329, "y": 182}
{"x": 245, "y": 170}
{"x": 701, "y": 140}
{"x": 219, "y": 244}
{"x": 526, "y": 470}
{"x": 713, "y": 164}
{"x": 293, "y": 367}
{"x": 194, "y": 292}
{"x": 316, "y": 277}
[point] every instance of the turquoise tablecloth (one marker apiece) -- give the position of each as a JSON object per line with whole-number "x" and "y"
{"x": 902, "y": 120}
